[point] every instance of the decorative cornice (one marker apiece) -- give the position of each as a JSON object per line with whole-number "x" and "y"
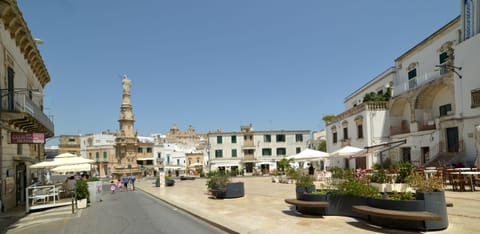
{"x": 14, "y": 23}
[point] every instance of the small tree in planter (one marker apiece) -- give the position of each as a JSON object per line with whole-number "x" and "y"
{"x": 220, "y": 186}
{"x": 81, "y": 193}
{"x": 291, "y": 175}
{"x": 304, "y": 184}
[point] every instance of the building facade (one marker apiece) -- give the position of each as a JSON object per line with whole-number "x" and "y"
{"x": 254, "y": 152}
{"x": 70, "y": 144}
{"x": 434, "y": 108}
{"x": 365, "y": 121}
{"x": 100, "y": 148}
{"x": 24, "y": 127}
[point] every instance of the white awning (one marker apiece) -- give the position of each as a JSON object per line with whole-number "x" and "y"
{"x": 225, "y": 163}
{"x": 145, "y": 159}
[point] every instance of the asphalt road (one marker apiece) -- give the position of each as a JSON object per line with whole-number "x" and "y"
{"x": 122, "y": 212}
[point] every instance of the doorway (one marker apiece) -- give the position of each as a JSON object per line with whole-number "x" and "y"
{"x": 452, "y": 139}
{"x": 249, "y": 167}
{"x": 425, "y": 155}
{"x": 265, "y": 169}
{"x": 405, "y": 154}
{"x": 21, "y": 182}
{"x": 361, "y": 163}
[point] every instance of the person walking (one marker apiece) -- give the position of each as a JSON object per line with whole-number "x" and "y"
{"x": 132, "y": 181}
{"x": 125, "y": 183}
{"x": 311, "y": 170}
{"x": 112, "y": 187}
{"x": 119, "y": 185}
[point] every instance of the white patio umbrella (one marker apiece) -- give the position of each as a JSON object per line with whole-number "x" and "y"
{"x": 62, "y": 160}
{"x": 72, "y": 168}
{"x": 309, "y": 154}
{"x": 346, "y": 151}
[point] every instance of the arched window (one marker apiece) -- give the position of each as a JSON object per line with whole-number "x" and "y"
{"x": 359, "y": 124}
{"x": 334, "y": 134}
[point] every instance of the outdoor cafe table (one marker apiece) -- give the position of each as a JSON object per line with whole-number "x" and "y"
{"x": 429, "y": 173}
{"x": 470, "y": 174}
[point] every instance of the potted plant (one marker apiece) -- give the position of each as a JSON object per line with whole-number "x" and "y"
{"x": 169, "y": 181}
{"x": 81, "y": 193}
{"x": 431, "y": 191}
{"x": 291, "y": 175}
{"x": 304, "y": 184}
{"x": 220, "y": 186}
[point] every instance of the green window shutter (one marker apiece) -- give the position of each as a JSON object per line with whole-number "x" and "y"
{"x": 412, "y": 74}
{"x": 443, "y": 57}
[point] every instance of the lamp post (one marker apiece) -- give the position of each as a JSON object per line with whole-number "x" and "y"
{"x": 447, "y": 67}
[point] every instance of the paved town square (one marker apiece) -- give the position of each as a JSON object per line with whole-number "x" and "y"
{"x": 263, "y": 209}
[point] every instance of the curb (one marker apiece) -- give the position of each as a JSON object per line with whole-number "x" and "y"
{"x": 217, "y": 225}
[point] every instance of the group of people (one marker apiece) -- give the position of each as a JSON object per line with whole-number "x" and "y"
{"x": 122, "y": 184}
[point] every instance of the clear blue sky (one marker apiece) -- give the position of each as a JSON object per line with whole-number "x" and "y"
{"x": 213, "y": 64}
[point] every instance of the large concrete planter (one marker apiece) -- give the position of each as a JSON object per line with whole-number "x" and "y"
{"x": 312, "y": 210}
{"x": 232, "y": 190}
{"x": 340, "y": 204}
{"x": 95, "y": 191}
{"x": 169, "y": 182}
{"x": 402, "y": 205}
{"x": 299, "y": 190}
{"x": 435, "y": 203}
{"x": 82, "y": 203}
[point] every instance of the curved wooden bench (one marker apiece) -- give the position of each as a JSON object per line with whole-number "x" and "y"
{"x": 397, "y": 214}
{"x": 300, "y": 203}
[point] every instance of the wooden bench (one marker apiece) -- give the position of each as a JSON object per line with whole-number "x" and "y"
{"x": 397, "y": 214}
{"x": 300, "y": 203}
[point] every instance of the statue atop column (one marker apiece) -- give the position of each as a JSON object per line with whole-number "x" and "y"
{"x": 126, "y": 84}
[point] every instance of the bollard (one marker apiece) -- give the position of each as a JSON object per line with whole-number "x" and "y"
{"x": 73, "y": 204}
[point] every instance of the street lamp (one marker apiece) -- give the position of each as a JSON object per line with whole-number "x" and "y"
{"x": 446, "y": 67}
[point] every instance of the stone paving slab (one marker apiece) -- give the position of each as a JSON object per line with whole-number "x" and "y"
{"x": 263, "y": 209}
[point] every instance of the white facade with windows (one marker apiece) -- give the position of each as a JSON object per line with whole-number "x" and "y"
{"x": 171, "y": 156}
{"x": 253, "y": 151}
{"x": 363, "y": 123}
{"x": 435, "y": 104}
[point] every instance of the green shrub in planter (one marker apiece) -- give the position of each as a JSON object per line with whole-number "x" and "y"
{"x": 81, "y": 190}
{"x": 217, "y": 181}
{"x": 356, "y": 188}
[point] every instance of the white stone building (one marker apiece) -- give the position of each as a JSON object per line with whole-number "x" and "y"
{"x": 171, "y": 156}
{"x": 434, "y": 108}
{"x": 253, "y": 151}
{"x": 363, "y": 123}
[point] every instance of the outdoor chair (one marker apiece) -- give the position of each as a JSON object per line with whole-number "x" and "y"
{"x": 54, "y": 193}
{"x": 39, "y": 195}
{"x": 457, "y": 180}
